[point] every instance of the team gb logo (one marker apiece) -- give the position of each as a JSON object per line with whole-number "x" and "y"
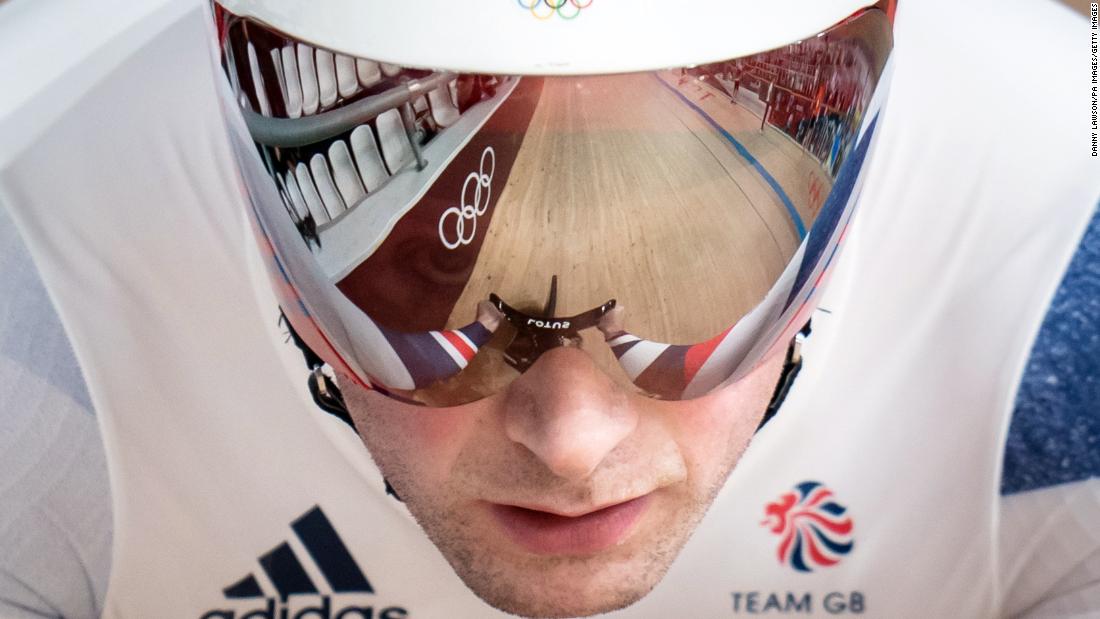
{"x": 814, "y": 529}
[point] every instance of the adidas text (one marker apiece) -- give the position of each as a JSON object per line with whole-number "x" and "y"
{"x": 324, "y": 610}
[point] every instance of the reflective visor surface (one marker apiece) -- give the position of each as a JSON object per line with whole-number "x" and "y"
{"x": 440, "y": 231}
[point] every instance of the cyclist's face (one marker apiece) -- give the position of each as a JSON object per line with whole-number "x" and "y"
{"x": 564, "y": 495}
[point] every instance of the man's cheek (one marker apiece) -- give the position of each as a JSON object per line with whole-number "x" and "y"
{"x": 712, "y": 434}
{"x": 706, "y": 426}
{"x": 730, "y": 415}
{"x": 424, "y": 442}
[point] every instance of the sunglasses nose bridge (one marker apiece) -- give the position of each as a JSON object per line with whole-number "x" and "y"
{"x": 536, "y": 334}
{"x": 527, "y": 346}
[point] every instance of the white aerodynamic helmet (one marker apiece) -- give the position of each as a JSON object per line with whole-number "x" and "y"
{"x": 445, "y": 190}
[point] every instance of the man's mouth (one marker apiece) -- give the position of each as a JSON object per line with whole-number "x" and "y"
{"x": 544, "y": 532}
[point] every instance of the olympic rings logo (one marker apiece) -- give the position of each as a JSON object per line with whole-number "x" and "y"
{"x": 545, "y": 9}
{"x": 464, "y": 228}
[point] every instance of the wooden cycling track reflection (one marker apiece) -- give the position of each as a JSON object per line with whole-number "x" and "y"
{"x": 622, "y": 190}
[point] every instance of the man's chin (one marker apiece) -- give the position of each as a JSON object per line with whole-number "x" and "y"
{"x": 533, "y": 580}
{"x": 564, "y": 586}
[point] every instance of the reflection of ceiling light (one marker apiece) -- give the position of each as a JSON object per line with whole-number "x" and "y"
{"x": 820, "y": 34}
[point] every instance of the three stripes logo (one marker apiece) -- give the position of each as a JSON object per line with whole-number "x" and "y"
{"x": 285, "y": 589}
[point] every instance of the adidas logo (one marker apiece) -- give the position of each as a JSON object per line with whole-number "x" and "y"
{"x": 286, "y": 572}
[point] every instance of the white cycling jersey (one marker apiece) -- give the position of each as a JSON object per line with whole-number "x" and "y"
{"x": 875, "y": 491}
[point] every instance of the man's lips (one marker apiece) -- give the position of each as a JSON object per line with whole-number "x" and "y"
{"x": 546, "y": 533}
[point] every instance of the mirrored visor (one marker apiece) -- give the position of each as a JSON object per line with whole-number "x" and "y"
{"x": 440, "y": 231}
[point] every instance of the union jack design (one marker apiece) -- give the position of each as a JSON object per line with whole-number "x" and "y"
{"x": 814, "y": 530}
{"x": 662, "y": 368}
{"x": 433, "y": 356}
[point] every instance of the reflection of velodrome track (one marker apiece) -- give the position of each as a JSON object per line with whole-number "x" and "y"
{"x": 613, "y": 153}
{"x": 420, "y": 193}
{"x": 804, "y": 181}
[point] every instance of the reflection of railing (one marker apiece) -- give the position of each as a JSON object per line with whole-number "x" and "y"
{"x": 332, "y": 128}
{"x": 295, "y": 132}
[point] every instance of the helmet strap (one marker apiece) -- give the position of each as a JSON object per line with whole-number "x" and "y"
{"x": 327, "y": 395}
{"x": 791, "y": 367}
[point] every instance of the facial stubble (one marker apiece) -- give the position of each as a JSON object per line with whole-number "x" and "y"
{"x": 532, "y": 585}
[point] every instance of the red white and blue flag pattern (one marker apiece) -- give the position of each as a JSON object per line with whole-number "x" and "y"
{"x": 662, "y": 368}
{"x": 814, "y": 530}
{"x": 433, "y": 356}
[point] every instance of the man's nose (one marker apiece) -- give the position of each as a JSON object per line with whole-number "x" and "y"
{"x": 568, "y": 413}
